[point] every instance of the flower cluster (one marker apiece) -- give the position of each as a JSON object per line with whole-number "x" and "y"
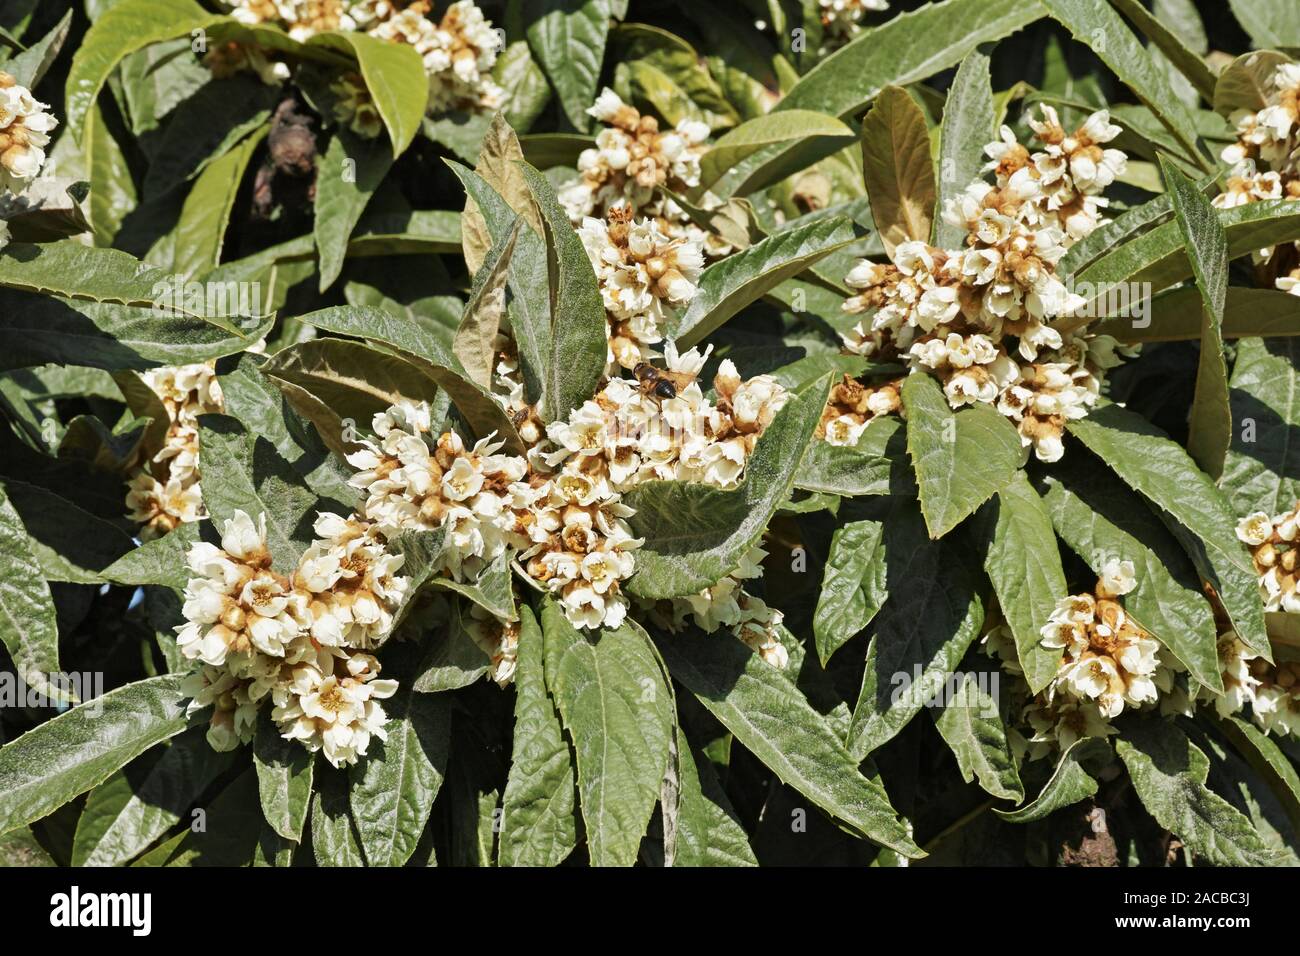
{"x": 1265, "y": 160}
{"x": 1275, "y": 548}
{"x": 413, "y": 481}
{"x": 631, "y": 164}
{"x": 458, "y": 51}
{"x": 1107, "y": 659}
{"x": 164, "y": 491}
{"x": 977, "y": 318}
{"x": 853, "y": 405}
{"x": 644, "y": 276}
{"x": 24, "y": 133}
{"x": 296, "y": 639}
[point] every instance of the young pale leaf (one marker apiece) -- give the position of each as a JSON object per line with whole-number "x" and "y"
{"x": 973, "y": 729}
{"x": 1169, "y": 773}
{"x": 898, "y": 168}
{"x": 160, "y": 561}
{"x": 696, "y": 534}
{"x": 579, "y": 336}
{"x": 961, "y": 458}
{"x": 968, "y": 126}
{"x": 350, "y": 172}
{"x": 1262, "y": 469}
{"x": 924, "y": 629}
{"x": 529, "y": 279}
{"x": 853, "y": 587}
{"x": 79, "y": 749}
{"x": 244, "y": 471}
{"x": 394, "y": 75}
{"x": 117, "y": 32}
{"x": 27, "y": 622}
{"x": 709, "y": 832}
{"x": 1106, "y": 34}
{"x": 538, "y": 824}
{"x": 125, "y": 814}
{"x": 567, "y": 39}
{"x": 473, "y": 344}
{"x": 1247, "y": 82}
{"x": 771, "y": 717}
{"x": 393, "y": 789}
{"x": 1024, "y": 565}
{"x": 284, "y": 778}
{"x": 729, "y": 285}
{"x": 1210, "y": 425}
{"x": 1068, "y": 784}
{"x": 817, "y": 134}
{"x": 612, "y": 698}
{"x": 498, "y": 159}
{"x": 28, "y": 67}
{"x": 1100, "y": 521}
{"x": 1152, "y": 464}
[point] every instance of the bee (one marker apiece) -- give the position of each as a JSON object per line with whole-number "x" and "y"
{"x": 659, "y": 382}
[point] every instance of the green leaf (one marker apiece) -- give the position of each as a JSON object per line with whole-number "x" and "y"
{"x": 1162, "y": 472}
{"x": 709, "y": 832}
{"x": 493, "y": 591}
{"x": 1188, "y": 63}
{"x": 230, "y": 838}
{"x": 1210, "y": 425}
{"x": 1159, "y": 256}
{"x": 1024, "y": 565}
{"x": 968, "y": 126}
{"x": 131, "y": 810}
{"x": 1169, "y": 772}
{"x": 160, "y": 561}
{"x": 243, "y": 471}
{"x": 394, "y": 786}
{"x": 1262, "y": 469}
{"x": 334, "y": 840}
{"x": 567, "y": 38}
{"x": 1268, "y": 23}
{"x": 538, "y": 824}
{"x": 909, "y": 47}
{"x": 696, "y": 534}
{"x": 579, "y": 338}
{"x": 1268, "y": 761}
{"x": 284, "y": 778}
{"x": 876, "y": 465}
{"x": 612, "y": 698}
{"x": 1247, "y": 82}
{"x": 69, "y": 543}
{"x": 454, "y": 659}
{"x": 79, "y": 749}
{"x": 201, "y": 229}
{"x": 350, "y": 172}
{"x": 27, "y": 623}
{"x": 732, "y": 283}
{"x": 816, "y": 135}
{"x": 120, "y": 30}
{"x": 898, "y": 168}
{"x": 1106, "y": 34}
{"x": 972, "y": 727}
{"x": 922, "y": 632}
{"x": 1100, "y": 521}
{"x": 772, "y": 719}
{"x": 1176, "y": 316}
{"x": 474, "y": 342}
{"x": 394, "y": 75}
{"x": 1068, "y": 784}
{"x": 853, "y": 586}
{"x": 30, "y": 66}
{"x": 961, "y": 458}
